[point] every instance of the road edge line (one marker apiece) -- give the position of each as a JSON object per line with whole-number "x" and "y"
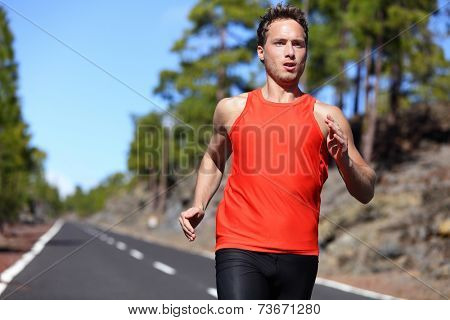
{"x": 8, "y": 274}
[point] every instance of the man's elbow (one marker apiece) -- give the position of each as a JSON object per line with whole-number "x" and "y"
{"x": 365, "y": 199}
{"x": 368, "y": 195}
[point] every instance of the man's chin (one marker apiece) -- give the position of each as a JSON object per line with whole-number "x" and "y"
{"x": 291, "y": 78}
{"x": 286, "y": 77}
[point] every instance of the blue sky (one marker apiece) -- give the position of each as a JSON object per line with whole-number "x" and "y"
{"x": 78, "y": 113}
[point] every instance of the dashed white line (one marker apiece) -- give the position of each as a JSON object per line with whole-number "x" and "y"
{"x": 164, "y": 267}
{"x": 212, "y": 291}
{"x": 136, "y": 254}
{"x": 121, "y": 246}
{"x": 110, "y": 241}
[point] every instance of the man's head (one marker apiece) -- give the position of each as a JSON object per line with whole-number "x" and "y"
{"x": 282, "y": 43}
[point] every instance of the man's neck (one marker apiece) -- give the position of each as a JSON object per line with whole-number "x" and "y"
{"x": 275, "y": 92}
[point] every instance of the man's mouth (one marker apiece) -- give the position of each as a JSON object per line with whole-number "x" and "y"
{"x": 290, "y": 66}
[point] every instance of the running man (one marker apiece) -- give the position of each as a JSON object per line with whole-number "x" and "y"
{"x": 282, "y": 140}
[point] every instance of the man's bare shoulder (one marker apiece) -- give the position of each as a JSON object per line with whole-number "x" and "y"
{"x": 321, "y": 110}
{"x": 324, "y": 108}
{"x": 234, "y": 101}
{"x": 228, "y": 109}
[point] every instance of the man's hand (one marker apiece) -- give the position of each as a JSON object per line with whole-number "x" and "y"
{"x": 337, "y": 140}
{"x": 189, "y": 220}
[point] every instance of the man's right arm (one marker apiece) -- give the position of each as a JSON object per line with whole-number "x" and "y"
{"x": 210, "y": 171}
{"x": 213, "y": 163}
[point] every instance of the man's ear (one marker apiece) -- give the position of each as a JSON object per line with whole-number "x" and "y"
{"x": 260, "y": 52}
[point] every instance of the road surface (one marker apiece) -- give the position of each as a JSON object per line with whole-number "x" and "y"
{"x": 114, "y": 266}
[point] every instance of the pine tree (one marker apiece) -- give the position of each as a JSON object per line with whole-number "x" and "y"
{"x": 15, "y": 153}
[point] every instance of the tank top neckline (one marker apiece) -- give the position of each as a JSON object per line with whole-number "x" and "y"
{"x": 296, "y": 101}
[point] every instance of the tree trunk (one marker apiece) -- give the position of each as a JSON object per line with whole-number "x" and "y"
{"x": 394, "y": 90}
{"x": 357, "y": 88}
{"x": 162, "y": 185}
{"x": 365, "y": 139}
{"x": 371, "y": 116}
{"x": 341, "y": 83}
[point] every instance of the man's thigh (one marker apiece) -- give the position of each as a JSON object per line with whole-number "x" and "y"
{"x": 296, "y": 275}
{"x": 238, "y": 276}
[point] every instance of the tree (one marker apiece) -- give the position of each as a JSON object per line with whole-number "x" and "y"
{"x": 148, "y": 157}
{"x": 22, "y": 179}
{"x": 94, "y": 200}
{"x": 15, "y": 152}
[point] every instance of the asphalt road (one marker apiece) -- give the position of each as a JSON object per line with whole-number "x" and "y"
{"x": 114, "y": 266}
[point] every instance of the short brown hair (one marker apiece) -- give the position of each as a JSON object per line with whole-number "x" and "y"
{"x": 280, "y": 12}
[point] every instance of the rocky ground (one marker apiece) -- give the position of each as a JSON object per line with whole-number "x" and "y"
{"x": 399, "y": 243}
{"x": 18, "y": 240}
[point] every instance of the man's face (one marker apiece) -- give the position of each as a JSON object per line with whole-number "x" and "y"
{"x": 284, "y": 52}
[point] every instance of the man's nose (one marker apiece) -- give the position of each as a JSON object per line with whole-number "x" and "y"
{"x": 289, "y": 50}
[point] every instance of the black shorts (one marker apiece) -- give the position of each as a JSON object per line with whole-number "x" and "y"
{"x": 243, "y": 274}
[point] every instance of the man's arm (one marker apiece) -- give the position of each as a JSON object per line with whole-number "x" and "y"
{"x": 356, "y": 173}
{"x": 210, "y": 172}
{"x": 213, "y": 163}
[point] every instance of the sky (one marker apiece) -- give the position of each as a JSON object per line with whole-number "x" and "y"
{"x": 84, "y": 68}
{"x": 79, "y": 112}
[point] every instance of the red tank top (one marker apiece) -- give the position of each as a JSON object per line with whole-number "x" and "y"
{"x": 271, "y": 200}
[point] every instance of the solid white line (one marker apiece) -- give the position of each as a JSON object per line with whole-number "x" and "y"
{"x": 120, "y": 245}
{"x": 355, "y": 290}
{"x": 212, "y": 291}
{"x": 9, "y": 274}
{"x": 136, "y": 254}
{"x": 164, "y": 267}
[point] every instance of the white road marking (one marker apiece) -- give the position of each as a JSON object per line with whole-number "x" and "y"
{"x": 110, "y": 241}
{"x": 9, "y": 274}
{"x": 103, "y": 237}
{"x": 136, "y": 254}
{"x": 320, "y": 281}
{"x": 121, "y": 246}
{"x": 351, "y": 289}
{"x": 212, "y": 291}
{"x": 164, "y": 267}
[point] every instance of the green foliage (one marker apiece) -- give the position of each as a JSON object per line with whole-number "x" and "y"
{"x": 144, "y": 156}
{"x": 22, "y": 181}
{"x": 413, "y": 65}
{"x": 94, "y": 200}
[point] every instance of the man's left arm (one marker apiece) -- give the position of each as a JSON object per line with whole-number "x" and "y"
{"x": 356, "y": 173}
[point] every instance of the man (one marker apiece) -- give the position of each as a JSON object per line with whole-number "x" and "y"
{"x": 281, "y": 139}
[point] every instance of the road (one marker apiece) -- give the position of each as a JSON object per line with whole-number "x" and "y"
{"x": 80, "y": 262}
